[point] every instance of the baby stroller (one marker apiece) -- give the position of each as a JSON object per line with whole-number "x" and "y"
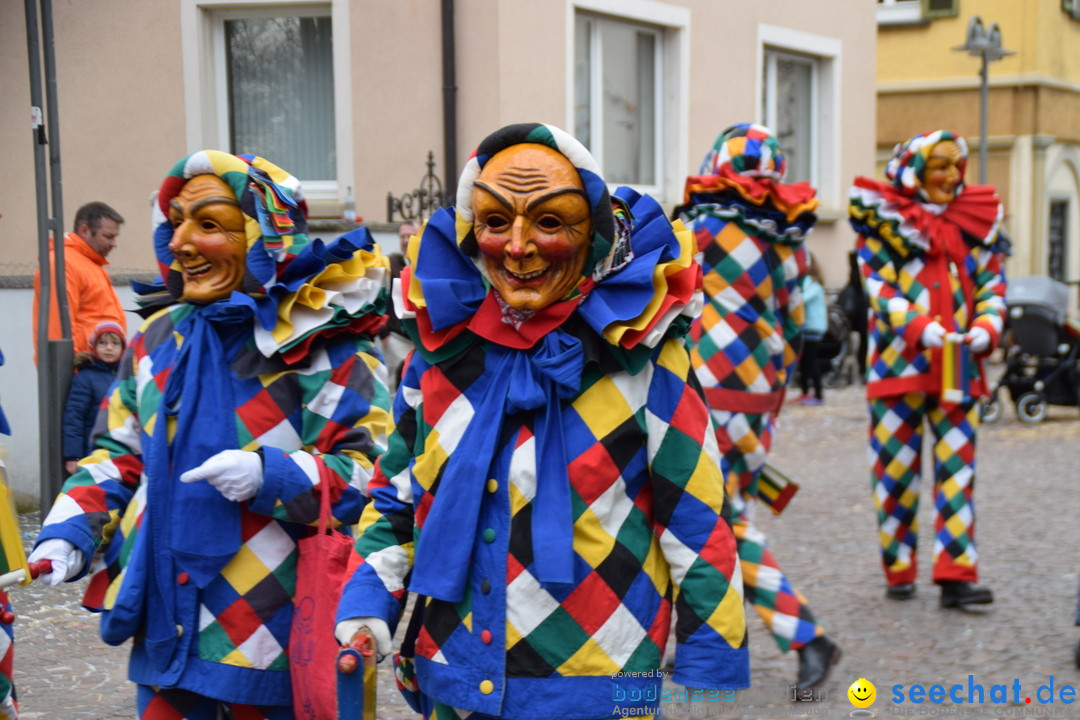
{"x": 1041, "y": 359}
{"x": 835, "y": 352}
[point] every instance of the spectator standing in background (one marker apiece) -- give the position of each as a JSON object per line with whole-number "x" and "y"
{"x": 90, "y": 294}
{"x": 852, "y": 301}
{"x": 815, "y": 325}
{"x": 94, "y": 374}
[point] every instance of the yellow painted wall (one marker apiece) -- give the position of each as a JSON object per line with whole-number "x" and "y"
{"x": 1044, "y": 37}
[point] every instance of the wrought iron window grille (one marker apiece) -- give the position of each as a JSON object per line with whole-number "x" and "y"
{"x": 418, "y": 204}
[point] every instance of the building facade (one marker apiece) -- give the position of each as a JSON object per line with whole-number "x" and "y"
{"x": 351, "y": 95}
{"x": 1033, "y": 128}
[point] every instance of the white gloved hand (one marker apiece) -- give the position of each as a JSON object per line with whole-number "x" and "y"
{"x": 237, "y": 474}
{"x": 933, "y": 335}
{"x": 978, "y": 339}
{"x": 67, "y": 560}
{"x": 346, "y": 629}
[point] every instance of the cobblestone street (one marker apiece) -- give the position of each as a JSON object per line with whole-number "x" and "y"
{"x": 826, "y": 542}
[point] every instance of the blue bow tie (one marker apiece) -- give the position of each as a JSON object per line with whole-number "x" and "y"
{"x": 538, "y": 380}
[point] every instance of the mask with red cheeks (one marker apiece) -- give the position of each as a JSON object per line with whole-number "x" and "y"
{"x": 942, "y": 174}
{"x": 209, "y": 242}
{"x": 532, "y": 224}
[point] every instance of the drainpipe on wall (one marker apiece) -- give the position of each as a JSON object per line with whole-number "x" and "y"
{"x": 54, "y": 357}
{"x": 449, "y": 102}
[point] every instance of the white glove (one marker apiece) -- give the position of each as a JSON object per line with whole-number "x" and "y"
{"x": 978, "y": 339}
{"x": 346, "y": 629}
{"x": 237, "y": 474}
{"x": 933, "y": 335}
{"x": 67, "y": 560}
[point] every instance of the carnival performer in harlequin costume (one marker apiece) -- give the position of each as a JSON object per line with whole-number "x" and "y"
{"x": 926, "y": 252}
{"x": 8, "y": 707}
{"x": 552, "y": 482}
{"x": 750, "y": 228}
{"x": 235, "y": 409}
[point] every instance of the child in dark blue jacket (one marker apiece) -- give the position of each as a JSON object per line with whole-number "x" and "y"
{"x": 93, "y": 377}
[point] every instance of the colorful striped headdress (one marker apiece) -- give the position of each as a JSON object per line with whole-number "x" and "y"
{"x": 907, "y": 166}
{"x": 274, "y": 211}
{"x": 742, "y": 180}
{"x": 296, "y": 287}
{"x": 749, "y": 149}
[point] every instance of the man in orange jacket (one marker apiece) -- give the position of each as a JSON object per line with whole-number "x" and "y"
{"x": 91, "y": 297}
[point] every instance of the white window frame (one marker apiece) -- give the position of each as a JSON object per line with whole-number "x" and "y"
{"x": 672, "y": 83}
{"x": 205, "y": 87}
{"x": 826, "y": 101}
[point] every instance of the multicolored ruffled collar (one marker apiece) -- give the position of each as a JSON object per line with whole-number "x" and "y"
{"x": 761, "y": 206}
{"x": 296, "y": 288}
{"x": 742, "y": 180}
{"x": 880, "y": 209}
{"x": 640, "y": 285}
{"x": 647, "y": 288}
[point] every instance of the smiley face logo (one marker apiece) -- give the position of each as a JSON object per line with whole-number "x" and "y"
{"x": 862, "y": 693}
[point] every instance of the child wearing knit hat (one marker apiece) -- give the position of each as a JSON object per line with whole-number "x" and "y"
{"x": 94, "y": 375}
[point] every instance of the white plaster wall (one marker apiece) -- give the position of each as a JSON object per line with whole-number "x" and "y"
{"x": 1019, "y": 207}
{"x": 19, "y": 388}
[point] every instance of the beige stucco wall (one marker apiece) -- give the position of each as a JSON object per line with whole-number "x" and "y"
{"x": 1033, "y": 117}
{"x": 121, "y": 117}
{"x": 122, "y": 101}
{"x": 396, "y": 99}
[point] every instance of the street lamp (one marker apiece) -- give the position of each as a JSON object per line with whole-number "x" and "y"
{"x": 984, "y": 43}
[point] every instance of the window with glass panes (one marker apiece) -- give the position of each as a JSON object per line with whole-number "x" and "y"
{"x": 280, "y": 91}
{"x": 790, "y": 108}
{"x": 617, "y": 115}
{"x": 1056, "y": 260}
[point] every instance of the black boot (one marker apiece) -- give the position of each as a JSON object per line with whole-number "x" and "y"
{"x": 958, "y": 594}
{"x": 816, "y": 659}
{"x": 903, "y": 591}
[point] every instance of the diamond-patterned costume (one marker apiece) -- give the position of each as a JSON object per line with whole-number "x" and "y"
{"x": 156, "y": 703}
{"x": 8, "y": 708}
{"x": 205, "y": 585}
{"x": 922, "y": 262}
{"x": 750, "y": 229}
{"x": 644, "y": 513}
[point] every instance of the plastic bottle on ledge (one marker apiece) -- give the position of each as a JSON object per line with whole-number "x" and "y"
{"x": 349, "y": 211}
